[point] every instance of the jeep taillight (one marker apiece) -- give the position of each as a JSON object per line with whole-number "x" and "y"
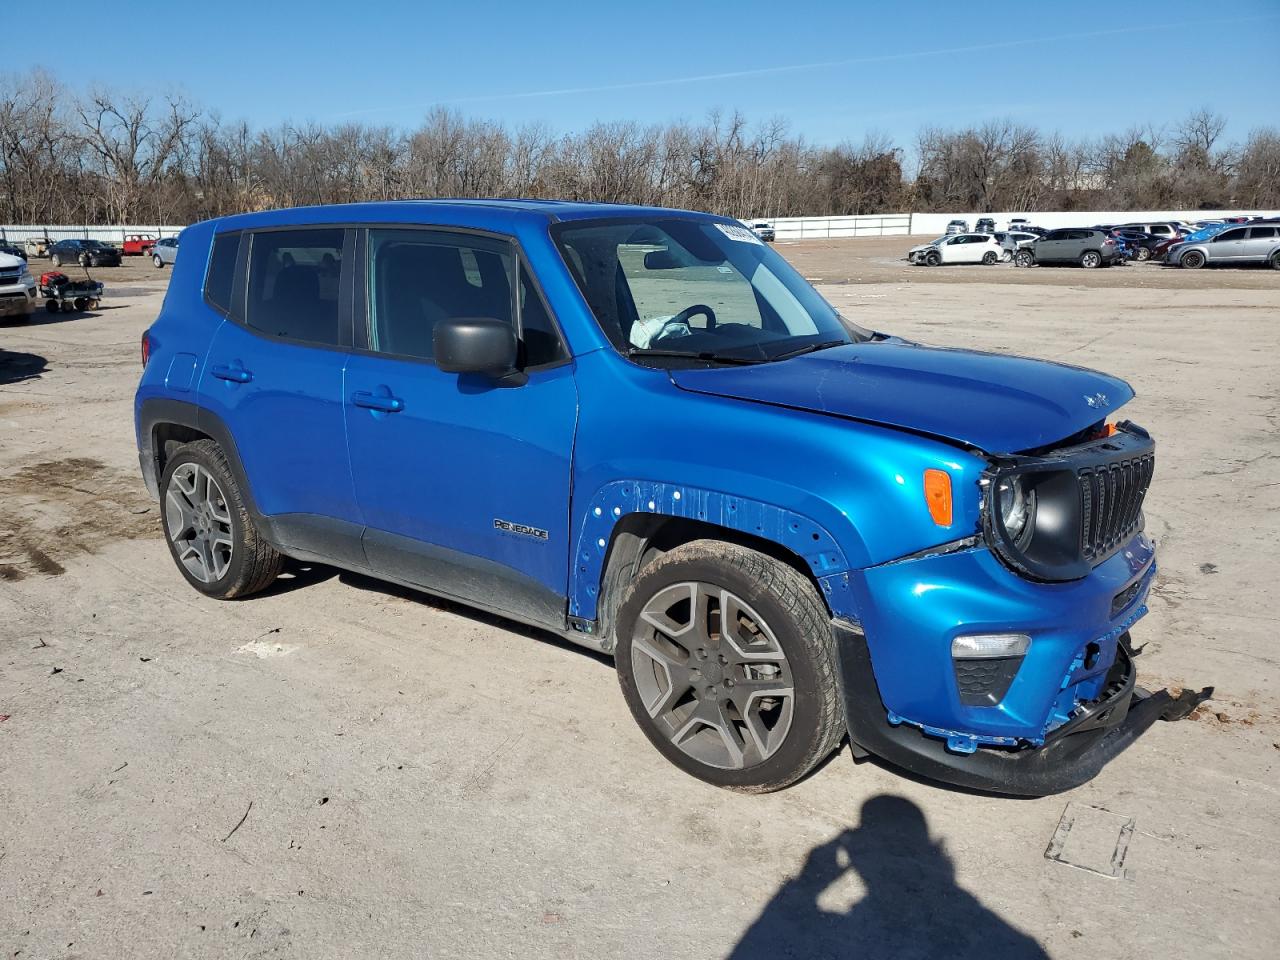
{"x": 146, "y": 348}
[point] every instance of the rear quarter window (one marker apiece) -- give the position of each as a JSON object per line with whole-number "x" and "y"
{"x": 222, "y": 270}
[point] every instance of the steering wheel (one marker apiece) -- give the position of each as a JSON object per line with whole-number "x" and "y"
{"x": 698, "y": 308}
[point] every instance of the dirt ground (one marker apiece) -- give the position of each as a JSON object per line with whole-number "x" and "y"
{"x": 343, "y": 769}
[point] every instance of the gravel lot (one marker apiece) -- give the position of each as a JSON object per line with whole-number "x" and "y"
{"x": 344, "y": 769}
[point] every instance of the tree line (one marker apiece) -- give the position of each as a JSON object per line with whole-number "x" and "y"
{"x": 105, "y": 156}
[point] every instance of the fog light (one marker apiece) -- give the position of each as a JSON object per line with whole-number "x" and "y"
{"x": 987, "y": 646}
{"x": 985, "y": 665}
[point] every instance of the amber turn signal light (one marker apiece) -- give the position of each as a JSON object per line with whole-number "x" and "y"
{"x": 937, "y": 494}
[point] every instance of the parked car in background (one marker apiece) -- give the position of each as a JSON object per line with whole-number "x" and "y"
{"x": 17, "y": 287}
{"x": 985, "y": 225}
{"x": 138, "y": 244}
{"x": 1088, "y": 248}
{"x": 1014, "y": 240}
{"x": 1140, "y": 246}
{"x": 763, "y": 230}
{"x": 165, "y": 251}
{"x": 916, "y": 253}
{"x": 37, "y": 246}
{"x": 1258, "y": 242}
{"x": 963, "y": 248}
{"x": 87, "y": 253}
{"x": 873, "y": 538}
{"x": 957, "y": 226}
{"x": 1166, "y": 247}
{"x": 1165, "y": 228}
{"x": 13, "y": 250}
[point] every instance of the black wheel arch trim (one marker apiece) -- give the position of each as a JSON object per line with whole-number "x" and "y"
{"x": 158, "y": 411}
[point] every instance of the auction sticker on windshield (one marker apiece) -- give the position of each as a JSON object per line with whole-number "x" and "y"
{"x": 738, "y": 233}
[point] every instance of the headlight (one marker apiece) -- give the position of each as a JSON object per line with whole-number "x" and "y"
{"x": 1016, "y": 506}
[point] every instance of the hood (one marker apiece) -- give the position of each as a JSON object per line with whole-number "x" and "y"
{"x": 997, "y": 403}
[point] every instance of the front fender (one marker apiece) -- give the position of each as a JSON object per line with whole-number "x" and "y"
{"x": 615, "y": 501}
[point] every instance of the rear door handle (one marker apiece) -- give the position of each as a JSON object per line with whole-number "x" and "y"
{"x": 234, "y": 374}
{"x": 371, "y": 401}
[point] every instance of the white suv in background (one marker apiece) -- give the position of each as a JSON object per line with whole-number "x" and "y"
{"x": 17, "y": 287}
{"x": 964, "y": 248}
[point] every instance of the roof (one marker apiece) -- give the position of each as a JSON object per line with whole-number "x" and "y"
{"x": 495, "y": 214}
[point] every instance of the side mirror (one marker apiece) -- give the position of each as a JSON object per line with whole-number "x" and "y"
{"x": 475, "y": 345}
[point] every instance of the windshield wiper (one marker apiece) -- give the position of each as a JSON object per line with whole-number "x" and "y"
{"x": 705, "y": 355}
{"x": 811, "y": 348}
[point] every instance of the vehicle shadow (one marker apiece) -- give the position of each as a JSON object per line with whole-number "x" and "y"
{"x": 298, "y": 575}
{"x": 912, "y": 907}
{"x": 17, "y": 367}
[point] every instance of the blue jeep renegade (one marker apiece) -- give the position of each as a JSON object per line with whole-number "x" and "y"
{"x": 641, "y": 429}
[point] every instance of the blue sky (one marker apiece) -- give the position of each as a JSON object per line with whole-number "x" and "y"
{"x": 833, "y": 70}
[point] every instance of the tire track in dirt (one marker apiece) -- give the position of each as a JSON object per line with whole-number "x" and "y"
{"x": 54, "y": 510}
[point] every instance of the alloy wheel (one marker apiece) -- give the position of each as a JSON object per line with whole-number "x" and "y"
{"x": 712, "y": 675}
{"x": 198, "y": 522}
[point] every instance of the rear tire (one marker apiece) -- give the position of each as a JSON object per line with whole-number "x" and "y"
{"x": 1192, "y": 260}
{"x": 158, "y": 262}
{"x": 1275, "y": 260}
{"x": 1090, "y": 259}
{"x": 55, "y": 260}
{"x": 52, "y": 306}
{"x": 211, "y": 536}
{"x": 1007, "y": 256}
{"x": 753, "y": 709}
{"x": 1144, "y": 254}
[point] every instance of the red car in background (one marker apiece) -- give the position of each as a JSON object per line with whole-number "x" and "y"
{"x": 138, "y": 244}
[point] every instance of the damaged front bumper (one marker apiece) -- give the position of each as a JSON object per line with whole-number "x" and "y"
{"x": 1072, "y": 754}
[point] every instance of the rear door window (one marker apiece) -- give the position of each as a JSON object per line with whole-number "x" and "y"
{"x": 293, "y": 284}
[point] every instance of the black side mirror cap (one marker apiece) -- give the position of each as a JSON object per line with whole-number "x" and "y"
{"x": 475, "y": 345}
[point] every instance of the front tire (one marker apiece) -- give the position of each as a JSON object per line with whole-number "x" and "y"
{"x": 753, "y": 707}
{"x": 1192, "y": 260}
{"x": 990, "y": 257}
{"x": 55, "y": 260}
{"x": 1007, "y": 256}
{"x": 1144, "y": 254}
{"x": 932, "y": 259}
{"x": 1024, "y": 258}
{"x": 210, "y": 533}
{"x": 158, "y": 262}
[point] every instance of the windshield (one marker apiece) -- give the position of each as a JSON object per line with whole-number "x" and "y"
{"x": 697, "y": 288}
{"x": 1206, "y": 232}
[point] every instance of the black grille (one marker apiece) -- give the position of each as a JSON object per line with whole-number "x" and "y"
{"x": 984, "y": 682}
{"x": 1111, "y": 498}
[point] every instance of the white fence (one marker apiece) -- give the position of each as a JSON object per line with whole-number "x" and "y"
{"x": 786, "y": 228}
{"x": 18, "y": 232}
{"x": 806, "y": 228}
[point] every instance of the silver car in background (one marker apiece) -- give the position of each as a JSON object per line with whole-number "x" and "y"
{"x": 164, "y": 252}
{"x": 1012, "y": 241}
{"x": 1257, "y": 242}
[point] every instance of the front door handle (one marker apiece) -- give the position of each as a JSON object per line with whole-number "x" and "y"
{"x": 363, "y": 398}
{"x": 233, "y": 374}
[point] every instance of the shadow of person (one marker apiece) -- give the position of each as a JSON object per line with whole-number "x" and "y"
{"x": 912, "y": 907}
